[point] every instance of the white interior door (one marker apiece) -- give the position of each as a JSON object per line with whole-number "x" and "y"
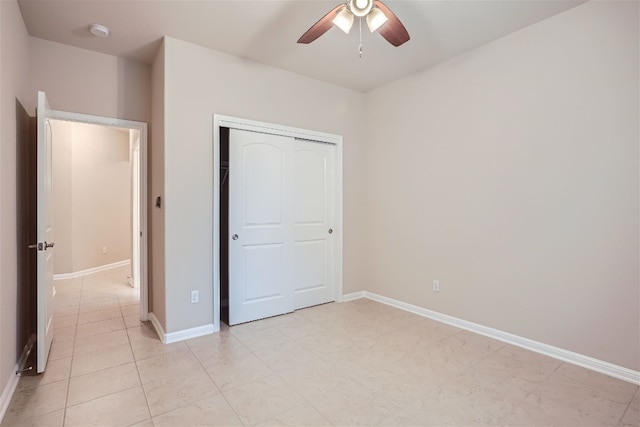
{"x": 314, "y": 216}
{"x": 260, "y": 225}
{"x": 45, "y": 235}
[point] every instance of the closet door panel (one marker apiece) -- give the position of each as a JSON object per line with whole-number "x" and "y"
{"x": 314, "y": 199}
{"x": 260, "y": 226}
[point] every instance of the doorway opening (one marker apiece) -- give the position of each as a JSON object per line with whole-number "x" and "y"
{"x": 224, "y": 224}
{"x": 100, "y": 200}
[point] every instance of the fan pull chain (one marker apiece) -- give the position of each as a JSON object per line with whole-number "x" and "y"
{"x": 360, "y": 47}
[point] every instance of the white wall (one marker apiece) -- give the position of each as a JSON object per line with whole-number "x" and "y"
{"x": 92, "y": 194}
{"x": 156, "y": 166}
{"x": 510, "y": 174}
{"x": 3, "y": 371}
{"x": 101, "y": 196}
{"x": 87, "y": 82}
{"x": 200, "y": 82}
{"x": 13, "y": 85}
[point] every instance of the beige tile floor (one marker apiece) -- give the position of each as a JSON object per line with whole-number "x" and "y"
{"x": 357, "y": 363}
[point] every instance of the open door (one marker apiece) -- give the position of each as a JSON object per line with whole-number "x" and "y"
{"x": 45, "y": 243}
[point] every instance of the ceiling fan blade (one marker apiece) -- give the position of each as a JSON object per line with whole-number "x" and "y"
{"x": 393, "y": 30}
{"x": 322, "y": 26}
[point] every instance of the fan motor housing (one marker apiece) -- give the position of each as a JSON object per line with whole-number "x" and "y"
{"x": 360, "y": 7}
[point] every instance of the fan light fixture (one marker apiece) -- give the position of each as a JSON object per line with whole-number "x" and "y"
{"x": 376, "y": 19}
{"x": 344, "y": 20}
{"x": 360, "y": 8}
{"x": 379, "y": 18}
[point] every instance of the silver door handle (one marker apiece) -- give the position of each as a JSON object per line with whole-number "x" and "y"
{"x": 42, "y": 246}
{"x": 234, "y": 237}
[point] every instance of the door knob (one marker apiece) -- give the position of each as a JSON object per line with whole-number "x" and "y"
{"x": 330, "y": 230}
{"x": 234, "y": 237}
{"x": 42, "y": 246}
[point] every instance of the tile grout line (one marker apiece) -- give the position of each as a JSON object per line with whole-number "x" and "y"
{"x": 628, "y": 406}
{"x": 215, "y": 385}
{"x": 144, "y": 392}
{"x": 281, "y": 379}
{"x": 73, "y": 348}
{"x": 285, "y": 381}
{"x": 135, "y": 361}
{"x": 88, "y": 336}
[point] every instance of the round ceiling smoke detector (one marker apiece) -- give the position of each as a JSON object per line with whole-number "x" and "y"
{"x": 99, "y": 30}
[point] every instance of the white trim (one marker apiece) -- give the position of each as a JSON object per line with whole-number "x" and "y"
{"x": 591, "y": 363}
{"x": 144, "y": 180}
{"x": 76, "y": 274}
{"x": 134, "y": 153}
{"x": 157, "y": 326}
{"x": 7, "y": 392}
{"x": 273, "y": 129}
{"x": 12, "y": 383}
{"x": 353, "y": 296}
{"x": 185, "y": 334}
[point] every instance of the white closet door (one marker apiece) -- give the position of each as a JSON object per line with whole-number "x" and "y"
{"x": 314, "y": 248}
{"x": 260, "y": 225}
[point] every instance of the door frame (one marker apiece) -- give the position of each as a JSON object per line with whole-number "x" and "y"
{"x": 273, "y": 129}
{"x": 143, "y": 182}
{"x": 134, "y": 152}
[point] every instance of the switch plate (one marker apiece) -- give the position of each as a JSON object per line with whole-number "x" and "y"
{"x": 195, "y": 297}
{"x": 104, "y": 250}
{"x": 436, "y": 286}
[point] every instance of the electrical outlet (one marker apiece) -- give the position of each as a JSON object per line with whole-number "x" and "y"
{"x": 104, "y": 250}
{"x": 436, "y": 286}
{"x": 195, "y": 297}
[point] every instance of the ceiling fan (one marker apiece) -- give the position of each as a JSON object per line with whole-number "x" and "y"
{"x": 379, "y": 18}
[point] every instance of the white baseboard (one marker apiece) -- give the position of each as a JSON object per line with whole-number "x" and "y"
{"x": 81, "y": 273}
{"x": 12, "y": 383}
{"x": 185, "y": 334}
{"x": 7, "y": 391}
{"x": 157, "y": 326}
{"x": 353, "y": 296}
{"x": 601, "y": 366}
{"x": 189, "y": 333}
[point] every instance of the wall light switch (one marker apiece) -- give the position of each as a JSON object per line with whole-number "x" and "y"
{"x": 195, "y": 297}
{"x": 436, "y": 286}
